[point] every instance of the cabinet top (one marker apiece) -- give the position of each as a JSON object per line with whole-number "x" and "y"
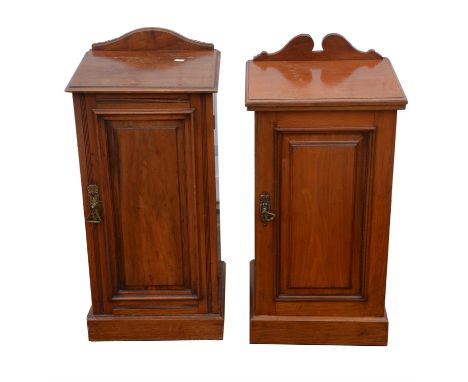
{"x": 148, "y": 60}
{"x": 338, "y": 77}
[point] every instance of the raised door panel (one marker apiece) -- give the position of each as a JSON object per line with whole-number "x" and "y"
{"x": 148, "y": 191}
{"x": 147, "y": 168}
{"x": 319, "y": 205}
{"x": 321, "y": 190}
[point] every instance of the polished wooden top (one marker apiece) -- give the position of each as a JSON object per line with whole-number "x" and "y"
{"x": 148, "y": 60}
{"x": 338, "y": 76}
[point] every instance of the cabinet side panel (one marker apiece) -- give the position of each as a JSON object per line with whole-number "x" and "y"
{"x": 86, "y": 171}
{"x": 215, "y": 265}
{"x": 201, "y": 202}
{"x": 381, "y": 206}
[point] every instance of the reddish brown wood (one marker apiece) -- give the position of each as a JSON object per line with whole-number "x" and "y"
{"x": 318, "y": 170}
{"x": 370, "y": 84}
{"x": 151, "y": 217}
{"x": 335, "y": 47}
{"x": 148, "y": 60}
{"x": 147, "y": 39}
{"x": 158, "y": 328}
{"x": 320, "y": 266}
{"x": 126, "y": 327}
{"x": 147, "y": 72}
{"x": 339, "y": 77}
{"x": 324, "y": 330}
{"x": 154, "y": 255}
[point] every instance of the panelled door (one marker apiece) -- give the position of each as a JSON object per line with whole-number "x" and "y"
{"x": 147, "y": 235}
{"x": 314, "y": 180}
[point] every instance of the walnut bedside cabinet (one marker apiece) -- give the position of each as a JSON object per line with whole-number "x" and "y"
{"x": 324, "y": 130}
{"x": 144, "y": 107}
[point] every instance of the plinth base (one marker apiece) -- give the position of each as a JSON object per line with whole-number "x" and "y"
{"x": 267, "y": 329}
{"x": 107, "y": 327}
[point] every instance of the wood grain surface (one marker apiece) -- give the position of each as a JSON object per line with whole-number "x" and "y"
{"x": 145, "y": 119}
{"x": 324, "y": 143}
{"x": 148, "y": 60}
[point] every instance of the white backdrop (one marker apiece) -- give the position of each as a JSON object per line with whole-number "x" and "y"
{"x": 43, "y": 272}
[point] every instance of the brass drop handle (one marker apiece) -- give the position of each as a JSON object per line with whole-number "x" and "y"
{"x": 265, "y": 214}
{"x": 93, "y": 204}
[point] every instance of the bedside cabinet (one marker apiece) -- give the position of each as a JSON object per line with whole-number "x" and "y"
{"x": 144, "y": 106}
{"x": 324, "y": 131}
